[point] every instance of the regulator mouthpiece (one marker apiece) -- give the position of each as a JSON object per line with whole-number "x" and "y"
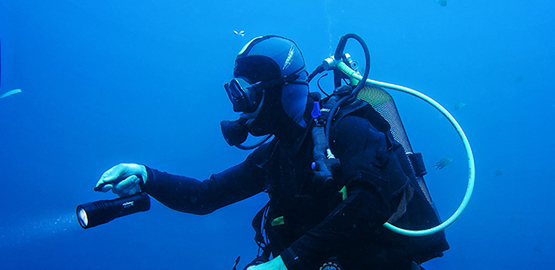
{"x": 235, "y": 132}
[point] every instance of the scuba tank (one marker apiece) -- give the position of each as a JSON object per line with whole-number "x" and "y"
{"x": 373, "y": 93}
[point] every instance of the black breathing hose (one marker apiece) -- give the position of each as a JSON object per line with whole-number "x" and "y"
{"x": 340, "y": 56}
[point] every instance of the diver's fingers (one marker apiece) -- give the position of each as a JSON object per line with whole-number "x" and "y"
{"x": 111, "y": 175}
{"x": 127, "y": 183}
{"x": 128, "y": 186}
{"x": 134, "y": 190}
{"x": 114, "y": 175}
{"x": 104, "y": 187}
{"x": 127, "y": 192}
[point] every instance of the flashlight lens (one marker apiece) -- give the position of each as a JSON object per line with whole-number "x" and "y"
{"x": 83, "y": 220}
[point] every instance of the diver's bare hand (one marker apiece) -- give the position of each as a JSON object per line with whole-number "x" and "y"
{"x": 123, "y": 179}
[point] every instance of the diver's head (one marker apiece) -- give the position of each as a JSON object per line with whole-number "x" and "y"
{"x": 269, "y": 86}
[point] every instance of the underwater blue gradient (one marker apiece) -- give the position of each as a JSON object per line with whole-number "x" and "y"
{"x": 105, "y": 82}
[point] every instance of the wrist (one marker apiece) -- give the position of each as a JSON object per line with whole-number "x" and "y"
{"x": 148, "y": 175}
{"x": 290, "y": 259}
{"x": 143, "y": 174}
{"x": 278, "y": 263}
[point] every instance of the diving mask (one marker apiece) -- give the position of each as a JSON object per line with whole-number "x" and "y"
{"x": 244, "y": 96}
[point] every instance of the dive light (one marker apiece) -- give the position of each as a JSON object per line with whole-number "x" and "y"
{"x": 95, "y": 213}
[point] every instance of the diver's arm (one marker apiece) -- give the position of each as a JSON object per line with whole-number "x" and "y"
{"x": 202, "y": 197}
{"x": 360, "y": 148}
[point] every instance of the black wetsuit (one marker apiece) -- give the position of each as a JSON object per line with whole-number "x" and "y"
{"x": 306, "y": 223}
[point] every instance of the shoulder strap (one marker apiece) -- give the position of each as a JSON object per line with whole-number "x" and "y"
{"x": 363, "y": 109}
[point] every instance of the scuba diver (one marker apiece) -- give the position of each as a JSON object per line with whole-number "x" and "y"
{"x": 312, "y": 220}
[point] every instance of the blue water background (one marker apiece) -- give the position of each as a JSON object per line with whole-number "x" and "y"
{"x": 105, "y": 82}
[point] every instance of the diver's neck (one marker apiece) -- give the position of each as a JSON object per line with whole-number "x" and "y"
{"x": 291, "y": 139}
{"x": 292, "y": 135}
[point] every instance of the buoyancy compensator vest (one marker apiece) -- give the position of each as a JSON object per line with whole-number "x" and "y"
{"x": 415, "y": 209}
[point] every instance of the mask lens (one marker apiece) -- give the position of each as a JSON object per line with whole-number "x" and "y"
{"x": 242, "y": 95}
{"x": 236, "y": 95}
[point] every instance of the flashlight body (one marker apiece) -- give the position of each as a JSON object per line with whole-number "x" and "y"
{"x": 95, "y": 213}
